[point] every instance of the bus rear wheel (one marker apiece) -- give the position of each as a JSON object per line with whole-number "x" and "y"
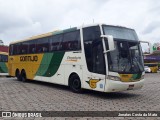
{"x": 18, "y": 75}
{"x": 75, "y": 83}
{"x": 23, "y": 76}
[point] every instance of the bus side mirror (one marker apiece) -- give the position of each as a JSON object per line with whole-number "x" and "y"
{"x": 109, "y": 40}
{"x": 150, "y": 50}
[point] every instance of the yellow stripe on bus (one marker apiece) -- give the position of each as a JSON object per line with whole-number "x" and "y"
{"x": 29, "y": 62}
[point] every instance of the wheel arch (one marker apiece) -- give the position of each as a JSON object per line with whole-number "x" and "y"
{"x": 17, "y": 71}
{"x": 74, "y": 73}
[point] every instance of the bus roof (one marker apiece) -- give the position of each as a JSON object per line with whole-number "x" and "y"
{"x": 45, "y": 35}
{"x": 3, "y": 53}
{"x": 61, "y": 31}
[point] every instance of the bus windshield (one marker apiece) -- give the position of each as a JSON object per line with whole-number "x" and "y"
{"x": 3, "y": 58}
{"x": 127, "y": 57}
{"x": 120, "y": 33}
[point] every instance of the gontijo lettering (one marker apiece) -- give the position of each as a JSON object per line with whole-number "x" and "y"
{"x": 29, "y": 58}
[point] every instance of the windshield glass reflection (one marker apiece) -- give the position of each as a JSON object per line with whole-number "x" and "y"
{"x": 126, "y": 58}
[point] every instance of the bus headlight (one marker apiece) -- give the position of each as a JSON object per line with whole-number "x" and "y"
{"x": 114, "y": 78}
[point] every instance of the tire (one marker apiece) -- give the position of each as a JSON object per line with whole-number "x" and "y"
{"x": 75, "y": 84}
{"x": 18, "y": 76}
{"x": 23, "y": 76}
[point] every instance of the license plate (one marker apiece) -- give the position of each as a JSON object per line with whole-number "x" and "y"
{"x": 130, "y": 87}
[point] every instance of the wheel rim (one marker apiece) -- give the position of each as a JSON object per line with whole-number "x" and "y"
{"x": 76, "y": 84}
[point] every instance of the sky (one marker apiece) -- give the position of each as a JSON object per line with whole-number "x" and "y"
{"x": 20, "y": 19}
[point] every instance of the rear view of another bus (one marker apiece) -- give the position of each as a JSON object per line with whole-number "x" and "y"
{"x": 153, "y": 67}
{"x": 3, "y": 64}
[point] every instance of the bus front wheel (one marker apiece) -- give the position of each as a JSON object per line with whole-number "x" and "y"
{"x": 75, "y": 83}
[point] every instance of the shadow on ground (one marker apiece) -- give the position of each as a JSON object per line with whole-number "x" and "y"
{"x": 114, "y": 95}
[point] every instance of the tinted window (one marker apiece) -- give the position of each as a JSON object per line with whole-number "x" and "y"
{"x": 15, "y": 49}
{"x": 94, "y": 50}
{"x": 42, "y": 45}
{"x": 3, "y": 58}
{"x": 32, "y": 46}
{"x": 55, "y": 42}
{"x": 98, "y": 58}
{"x": 23, "y": 48}
{"x": 71, "y": 41}
{"x": 120, "y": 32}
{"x": 11, "y": 49}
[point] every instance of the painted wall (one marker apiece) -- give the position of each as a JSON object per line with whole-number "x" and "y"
{"x": 3, "y": 48}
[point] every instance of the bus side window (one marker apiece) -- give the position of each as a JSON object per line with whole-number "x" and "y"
{"x": 24, "y": 48}
{"x": 15, "y": 49}
{"x": 71, "y": 41}
{"x": 33, "y": 50}
{"x": 42, "y": 45}
{"x": 55, "y": 42}
{"x": 11, "y": 49}
{"x": 32, "y": 46}
{"x": 94, "y": 50}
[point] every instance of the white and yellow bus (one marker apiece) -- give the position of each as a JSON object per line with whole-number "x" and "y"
{"x": 153, "y": 67}
{"x": 97, "y": 57}
{"x": 3, "y": 64}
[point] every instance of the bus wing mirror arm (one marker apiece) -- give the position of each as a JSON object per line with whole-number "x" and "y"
{"x": 109, "y": 39}
{"x": 149, "y": 44}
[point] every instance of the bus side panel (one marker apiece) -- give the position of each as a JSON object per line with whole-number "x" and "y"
{"x": 93, "y": 81}
{"x": 75, "y": 63}
{"x": 3, "y": 67}
{"x": 72, "y": 63}
{"x": 30, "y": 63}
{"x": 57, "y": 78}
{"x": 12, "y": 64}
{"x": 154, "y": 69}
{"x": 51, "y": 68}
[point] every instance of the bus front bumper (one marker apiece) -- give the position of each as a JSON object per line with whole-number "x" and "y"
{"x": 115, "y": 86}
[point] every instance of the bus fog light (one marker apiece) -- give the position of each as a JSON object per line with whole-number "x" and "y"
{"x": 114, "y": 78}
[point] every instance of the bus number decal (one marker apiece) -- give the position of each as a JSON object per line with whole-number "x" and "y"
{"x": 93, "y": 83}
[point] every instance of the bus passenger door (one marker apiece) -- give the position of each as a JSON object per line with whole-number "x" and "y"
{"x": 96, "y": 69}
{"x": 99, "y": 70}
{"x": 95, "y": 73}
